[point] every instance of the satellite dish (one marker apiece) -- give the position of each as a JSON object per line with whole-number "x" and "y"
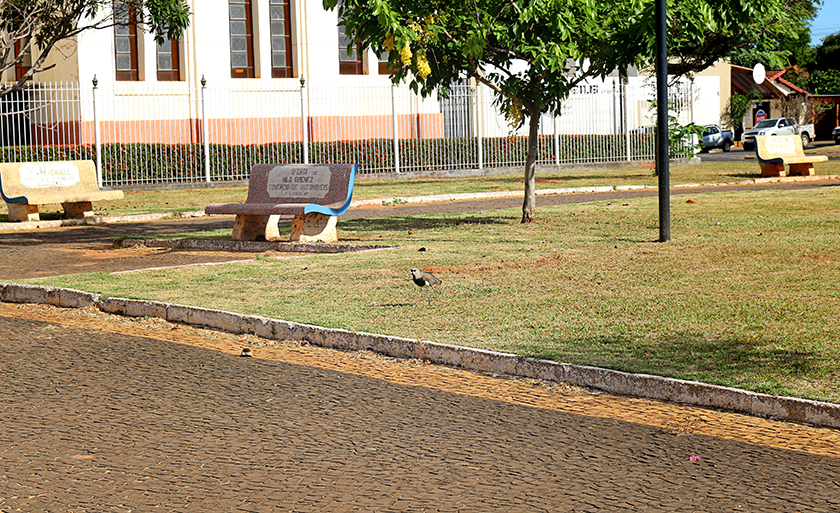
{"x": 758, "y": 73}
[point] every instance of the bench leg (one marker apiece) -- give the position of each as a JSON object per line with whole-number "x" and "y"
{"x": 251, "y": 227}
{"x": 77, "y": 209}
{"x": 805, "y": 169}
{"x": 772, "y": 169}
{"x": 21, "y": 212}
{"x": 314, "y": 227}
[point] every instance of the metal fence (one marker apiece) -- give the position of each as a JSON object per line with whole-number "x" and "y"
{"x": 146, "y": 133}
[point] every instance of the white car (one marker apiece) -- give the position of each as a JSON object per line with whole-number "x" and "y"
{"x": 836, "y": 135}
{"x": 777, "y": 126}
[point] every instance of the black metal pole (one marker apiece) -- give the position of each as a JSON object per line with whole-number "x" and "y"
{"x": 662, "y": 157}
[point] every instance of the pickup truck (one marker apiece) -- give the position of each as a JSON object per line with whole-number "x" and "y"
{"x": 777, "y": 126}
{"x": 714, "y": 137}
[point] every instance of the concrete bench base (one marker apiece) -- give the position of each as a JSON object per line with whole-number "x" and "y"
{"x": 255, "y": 227}
{"x": 305, "y": 228}
{"x": 774, "y": 151}
{"x": 778, "y": 169}
{"x": 22, "y": 212}
{"x": 314, "y": 227}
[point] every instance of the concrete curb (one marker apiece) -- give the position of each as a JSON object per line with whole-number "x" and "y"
{"x": 86, "y": 221}
{"x": 468, "y": 196}
{"x": 248, "y": 246}
{"x": 617, "y": 382}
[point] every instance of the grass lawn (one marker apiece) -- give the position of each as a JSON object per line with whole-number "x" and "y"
{"x": 746, "y": 294}
{"x": 189, "y": 200}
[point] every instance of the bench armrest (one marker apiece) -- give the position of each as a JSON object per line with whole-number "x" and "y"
{"x": 320, "y": 209}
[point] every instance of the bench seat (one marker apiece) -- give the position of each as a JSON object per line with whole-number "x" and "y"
{"x": 314, "y": 193}
{"x": 255, "y": 208}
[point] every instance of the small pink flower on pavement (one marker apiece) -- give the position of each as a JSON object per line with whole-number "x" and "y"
{"x": 694, "y": 458}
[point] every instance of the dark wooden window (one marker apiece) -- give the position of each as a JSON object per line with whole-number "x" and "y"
{"x": 25, "y": 64}
{"x": 348, "y": 64}
{"x": 241, "y": 39}
{"x": 125, "y": 41}
{"x": 281, "y": 38}
{"x": 384, "y": 68}
{"x": 168, "y": 61}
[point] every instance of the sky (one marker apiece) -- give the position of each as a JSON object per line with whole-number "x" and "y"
{"x": 827, "y": 21}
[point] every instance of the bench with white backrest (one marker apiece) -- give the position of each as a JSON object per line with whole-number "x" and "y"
{"x": 315, "y": 194}
{"x": 73, "y": 183}
{"x": 774, "y": 151}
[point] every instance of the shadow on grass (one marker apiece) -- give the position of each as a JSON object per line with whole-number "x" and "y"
{"x": 759, "y": 365}
{"x": 417, "y": 223}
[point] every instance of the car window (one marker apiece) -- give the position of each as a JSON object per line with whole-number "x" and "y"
{"x": 766, "y": 124}
{"x": 782, "y": 123}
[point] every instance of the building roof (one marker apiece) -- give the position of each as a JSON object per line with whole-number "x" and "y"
{"x": 774, "y": 85}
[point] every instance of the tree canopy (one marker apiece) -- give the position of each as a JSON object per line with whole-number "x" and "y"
{"x": 828, "y": 53}
{"x": 41, "y": 24}
{"x": 784, "y": 44}
{"x": 532, "y": 53}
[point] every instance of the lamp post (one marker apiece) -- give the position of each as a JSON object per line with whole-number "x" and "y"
{"x": 662, "y": 157}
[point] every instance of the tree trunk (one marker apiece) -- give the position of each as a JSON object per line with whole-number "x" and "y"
{"x": 529, "y": 204}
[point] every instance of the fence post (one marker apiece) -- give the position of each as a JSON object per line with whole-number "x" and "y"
{"x": 304, "y": 120}
{"x": 205, "y": 137}
{"x": 626, "y": 115}
{"x": 97, "y": 136}
{"x": 395, "y": 128}
{"x": 479, "y": 114}
{"x": 556, "y": 141}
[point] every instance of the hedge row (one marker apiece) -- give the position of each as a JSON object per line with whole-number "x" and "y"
{"x": 149, "y": 163}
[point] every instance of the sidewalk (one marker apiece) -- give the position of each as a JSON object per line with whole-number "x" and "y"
{"x": 106, "y": 413}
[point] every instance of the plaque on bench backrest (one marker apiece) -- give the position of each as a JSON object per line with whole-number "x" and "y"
{"x": 43, "y": 175}
{"x": 298, "y": 182}
{"x": 780, "y": 145}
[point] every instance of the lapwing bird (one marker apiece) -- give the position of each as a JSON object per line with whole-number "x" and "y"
{"x": 246, "y": 352}
{"x": 423, "y": 279}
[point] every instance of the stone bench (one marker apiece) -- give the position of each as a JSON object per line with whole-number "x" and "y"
{"x": 314, "y": 193}
{"x": 25, "y": 185}
{"x": 774, "y": 151}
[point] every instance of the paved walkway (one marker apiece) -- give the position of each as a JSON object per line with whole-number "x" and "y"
{"x": 103, "y": 413}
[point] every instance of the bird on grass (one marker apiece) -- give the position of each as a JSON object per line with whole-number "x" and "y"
{"x": 423, "y": 279}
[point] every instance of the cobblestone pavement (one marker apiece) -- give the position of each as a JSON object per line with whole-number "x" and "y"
{"x": 103, "y": 413}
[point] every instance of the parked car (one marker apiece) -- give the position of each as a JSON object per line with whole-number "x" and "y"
{"x": 777, "y": 126}
{"x": 715, "y": 137}
{"x": 836, "y": 135}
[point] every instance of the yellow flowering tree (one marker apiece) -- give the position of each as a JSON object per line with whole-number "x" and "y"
{"x": 532, "y": 53}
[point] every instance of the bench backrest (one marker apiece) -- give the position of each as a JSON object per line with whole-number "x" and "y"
{"x": 318, "y": 184}
{"x": 777, "y": 147}
{"x": 46, "y": 182}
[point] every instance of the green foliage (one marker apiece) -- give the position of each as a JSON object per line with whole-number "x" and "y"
{"x": 532, "y": 53}
{"x": 683, "y": 140}
{"x": 825, "y": 81}
{"x": 737, "y": 108}
{"x": 828, "y": 53}
{"x": 782, "y": 44}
